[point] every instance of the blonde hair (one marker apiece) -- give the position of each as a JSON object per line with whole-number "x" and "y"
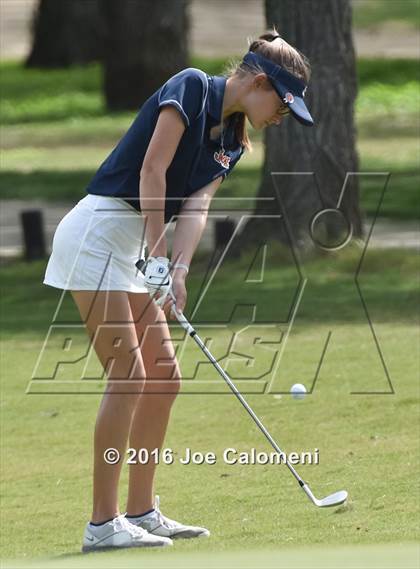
{"x": 275, "y": 48}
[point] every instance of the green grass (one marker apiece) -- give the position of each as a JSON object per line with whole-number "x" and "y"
{"x": 398, "y": 556}
{"x": 385, "y": 99}
{"x": 373, "y": 13}
{"x": 61, "y": 112}
{"x": 367, "y": 443}
{"x": 330, "y": 287}
{"x": 30, "y": 95}
{"x": 387, "y": 71}
{"x": 34, "y": 95}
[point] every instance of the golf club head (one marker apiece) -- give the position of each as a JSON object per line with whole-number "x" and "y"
{"x": 333, "y": 499}
{"x": 329, "y": 501}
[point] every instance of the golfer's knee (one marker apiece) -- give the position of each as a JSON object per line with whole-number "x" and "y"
{"x": 166, "y": 385}
{"x": 126, "y": 376}
{"x": 172, "y": 384}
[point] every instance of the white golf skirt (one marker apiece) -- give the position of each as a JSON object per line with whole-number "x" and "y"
{"x": 96, "y": 245}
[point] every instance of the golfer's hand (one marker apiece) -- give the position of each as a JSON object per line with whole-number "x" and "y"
{"x": 180, "y": 293}
{"x": 157, "y": 278}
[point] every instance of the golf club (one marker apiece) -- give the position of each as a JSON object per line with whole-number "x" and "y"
{"x": 333, "y": 499}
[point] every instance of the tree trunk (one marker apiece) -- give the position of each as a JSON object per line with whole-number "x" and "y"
{"x": 147, "y": 43}
{"x": 322, "y": 31}
{"x": 66, "y": 32}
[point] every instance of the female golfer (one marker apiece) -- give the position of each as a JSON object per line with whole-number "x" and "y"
{"x": 185, "y": 140}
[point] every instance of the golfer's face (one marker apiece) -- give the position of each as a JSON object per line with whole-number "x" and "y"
{"x": 266, "y": 108}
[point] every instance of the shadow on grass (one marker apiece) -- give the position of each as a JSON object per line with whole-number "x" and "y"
{"x": 390, "y": 71}
{"x": 70, "y": 184}
{"x": 50, "y": 185}
{"x": 388, "y": 281}
{"x": 400, "y": 200}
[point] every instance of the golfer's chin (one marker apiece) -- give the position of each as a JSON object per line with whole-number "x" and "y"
{"x": 258, "y": 125}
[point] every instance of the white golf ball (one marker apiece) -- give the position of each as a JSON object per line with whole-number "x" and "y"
{"x": 298, "y": 391}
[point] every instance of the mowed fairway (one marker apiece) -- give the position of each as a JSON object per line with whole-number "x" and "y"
{"x": 401, "y": 556}
{"x": 368, "y": 443}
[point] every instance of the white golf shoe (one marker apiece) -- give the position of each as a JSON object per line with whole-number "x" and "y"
{"x": 119, "y": 533}
{"x": 158, "y": 524}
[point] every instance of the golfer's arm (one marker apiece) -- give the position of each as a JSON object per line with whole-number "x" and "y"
{"x": 152, "y": 188}
{"x": 190, "y": 224}
{"x": 152, "y": 203}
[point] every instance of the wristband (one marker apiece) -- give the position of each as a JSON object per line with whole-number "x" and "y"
{"x": 180, "y": 266}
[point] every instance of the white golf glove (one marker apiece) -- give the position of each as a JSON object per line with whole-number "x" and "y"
{"x": 157, "y": 279}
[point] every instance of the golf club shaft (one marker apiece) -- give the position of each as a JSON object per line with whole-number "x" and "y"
{"x": 191, "y": 332}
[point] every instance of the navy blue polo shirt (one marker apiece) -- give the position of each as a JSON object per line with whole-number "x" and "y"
{"x": 198, "y": 160}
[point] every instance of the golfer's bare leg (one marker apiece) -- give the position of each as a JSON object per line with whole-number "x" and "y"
{"x": 151, "y": 416}
{"x": 108, "y": 319}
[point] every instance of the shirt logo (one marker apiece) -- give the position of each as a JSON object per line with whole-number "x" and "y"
{"x": 222, "y": 159}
